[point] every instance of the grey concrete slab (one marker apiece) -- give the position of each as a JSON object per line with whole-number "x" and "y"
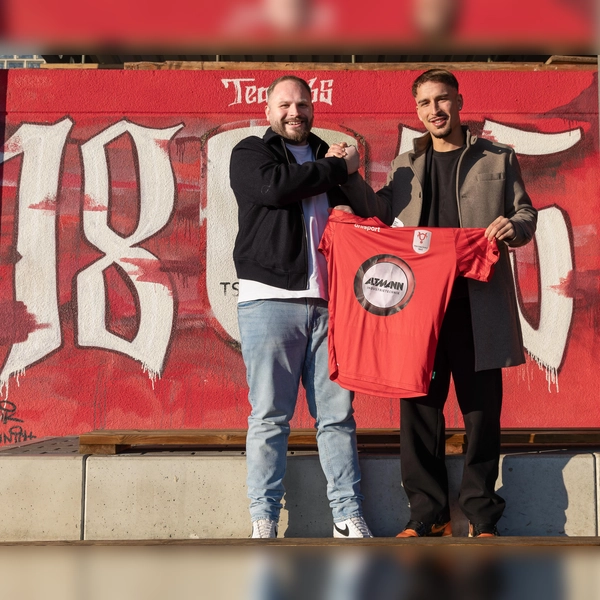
{"x": 155, "y": 497}
{"x": 551, "y": 493}
{"x": 385, "y": 505}
{"x": 597, "y": 466}
{"x": 41, "y": 497}
{"x": 306, "y": 507}
{"x": 204, "y": 496}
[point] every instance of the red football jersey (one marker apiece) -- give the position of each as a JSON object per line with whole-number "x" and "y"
{"x": 388, "y": 292}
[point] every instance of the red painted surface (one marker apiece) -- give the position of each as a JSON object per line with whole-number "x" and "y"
{"x": 75, "y": 388}
{"x": 329, "y": 23}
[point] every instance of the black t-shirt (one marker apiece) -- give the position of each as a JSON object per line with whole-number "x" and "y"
{"x": 440, "y": 208}
{"x": 439, "y": 202}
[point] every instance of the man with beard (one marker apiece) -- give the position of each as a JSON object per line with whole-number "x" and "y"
{"x": 284, "y": 185}
{"x": 452, "y": 178}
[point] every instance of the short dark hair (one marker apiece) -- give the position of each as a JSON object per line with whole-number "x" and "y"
{"x": 437, "y": 76}
{"x": 293, "y": 78}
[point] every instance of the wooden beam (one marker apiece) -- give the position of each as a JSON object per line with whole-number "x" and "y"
{"x": 309, "y": 66}
{"x": 106, "y": 442}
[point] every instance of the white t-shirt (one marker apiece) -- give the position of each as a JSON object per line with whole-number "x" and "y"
{"x": 315, "y": 217}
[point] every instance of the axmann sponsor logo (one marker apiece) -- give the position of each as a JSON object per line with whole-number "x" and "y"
{"x": 384, "y": 284}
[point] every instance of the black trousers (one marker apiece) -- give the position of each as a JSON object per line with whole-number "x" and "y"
{"x": 422, "y": 429}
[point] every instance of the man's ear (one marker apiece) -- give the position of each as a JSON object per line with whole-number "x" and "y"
{"x": 460, "y": 102}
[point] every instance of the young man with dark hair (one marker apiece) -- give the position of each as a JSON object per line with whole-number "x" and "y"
{"x": 453, "y": 178}
{"x": 284, "y": 185}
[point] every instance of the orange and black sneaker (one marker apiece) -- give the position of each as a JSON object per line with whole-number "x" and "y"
{"x": 419, "y": 529}
{"x": 482, "y": 530}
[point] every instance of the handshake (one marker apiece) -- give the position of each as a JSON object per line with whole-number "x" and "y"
{"x": 348, "y": 153}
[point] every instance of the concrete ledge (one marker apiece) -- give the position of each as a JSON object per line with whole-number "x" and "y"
{"x": 549, "y": 494}
{"x": 161, "y": 497}
{"x": 152, "y": 497}
{"x": 41, "y": 498}
{"x": 47, "y": 496}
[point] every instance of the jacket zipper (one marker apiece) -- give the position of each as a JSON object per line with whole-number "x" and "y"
{"x": 287, "y": 156}
{"x": 468, "y": 144}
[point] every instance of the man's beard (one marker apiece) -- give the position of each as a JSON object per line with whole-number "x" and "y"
{"x": 294, "y": 137}
{"x": 444, "y": 133}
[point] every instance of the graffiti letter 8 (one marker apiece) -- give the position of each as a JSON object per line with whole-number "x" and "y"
{"x": 152, "y": 286}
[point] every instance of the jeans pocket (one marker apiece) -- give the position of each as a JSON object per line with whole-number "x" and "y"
{"x": 250, "y": 304}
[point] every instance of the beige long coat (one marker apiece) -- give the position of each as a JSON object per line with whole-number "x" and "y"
{"x": 489, "y": 185}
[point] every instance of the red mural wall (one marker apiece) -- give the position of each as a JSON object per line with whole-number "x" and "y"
{"x": 117, "y": 288}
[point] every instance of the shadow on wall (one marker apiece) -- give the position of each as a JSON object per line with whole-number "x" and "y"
{"x": 307, "y": 508}
{"x": 547, "y": 494}
{"x": 536, "y": 494}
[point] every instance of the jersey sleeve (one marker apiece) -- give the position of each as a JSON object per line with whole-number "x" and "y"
{"x": 326, "y": 239}
{"x": 475, "y": 254}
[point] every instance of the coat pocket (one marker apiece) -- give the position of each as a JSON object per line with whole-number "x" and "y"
{"x": 490, "y": 176}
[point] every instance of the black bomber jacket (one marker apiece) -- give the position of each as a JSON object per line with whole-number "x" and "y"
{"x": 269, "y": 186}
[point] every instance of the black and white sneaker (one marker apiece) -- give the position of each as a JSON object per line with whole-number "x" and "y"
{"x": 264, "y": 528}
{"x": 354, "y": 527}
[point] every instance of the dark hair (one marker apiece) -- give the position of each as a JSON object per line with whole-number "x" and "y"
{"x": 293, "y": 78}
{"x": 437, "y": 76}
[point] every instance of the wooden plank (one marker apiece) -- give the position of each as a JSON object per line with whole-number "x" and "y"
{"x": 69, "y": 66}
{"x": 97, "y": 448}
{"x": 114, "y": 441}
{"x": 310, "y": 66}
{"x": 559, "y": 58}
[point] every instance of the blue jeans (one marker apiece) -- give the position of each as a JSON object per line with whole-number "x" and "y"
{"x": 283, "y": 341}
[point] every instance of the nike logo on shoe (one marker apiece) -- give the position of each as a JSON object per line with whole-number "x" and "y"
{"x": 438, "y": 529}
{"x": 352, "y": 527}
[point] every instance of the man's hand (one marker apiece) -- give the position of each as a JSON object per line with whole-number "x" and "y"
{"x": 344, "y": 208}
{"x": 501, "y": 229}
{"x": 338, "y": 150}
{"x": 348, "y": 153}
{"x": 352, "y": 159}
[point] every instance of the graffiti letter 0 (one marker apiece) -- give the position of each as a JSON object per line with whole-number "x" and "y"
{"x": 157, "y": 197}
{"x": 35, "y": 271}
{"x": 547, "y": 344}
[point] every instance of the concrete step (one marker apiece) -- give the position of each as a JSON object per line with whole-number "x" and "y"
{"x": 51, "y": 492}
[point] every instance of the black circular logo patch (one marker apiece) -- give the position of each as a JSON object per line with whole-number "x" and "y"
{"x": 384, "y": 284}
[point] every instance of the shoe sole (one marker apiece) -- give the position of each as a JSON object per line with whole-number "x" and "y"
{"x": 444, "y": 531}
{"x": 482, "y": 535}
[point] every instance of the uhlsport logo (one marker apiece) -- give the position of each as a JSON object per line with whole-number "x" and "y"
{"x": 384, "y": 284}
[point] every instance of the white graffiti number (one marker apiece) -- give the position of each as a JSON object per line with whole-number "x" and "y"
{"x": 548, "y": 342}
{"x": 157, "y": 193}
{"x": 35, "y": 280}
{"x": 35, "y": 270}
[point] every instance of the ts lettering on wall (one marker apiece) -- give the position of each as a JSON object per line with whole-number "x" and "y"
{"x": 247, "y": 93}
{"x": 35, "y": 280}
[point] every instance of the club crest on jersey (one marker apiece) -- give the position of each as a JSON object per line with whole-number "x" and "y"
{"x": 384, "y": 284}
{"x": 421, "y": 241}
